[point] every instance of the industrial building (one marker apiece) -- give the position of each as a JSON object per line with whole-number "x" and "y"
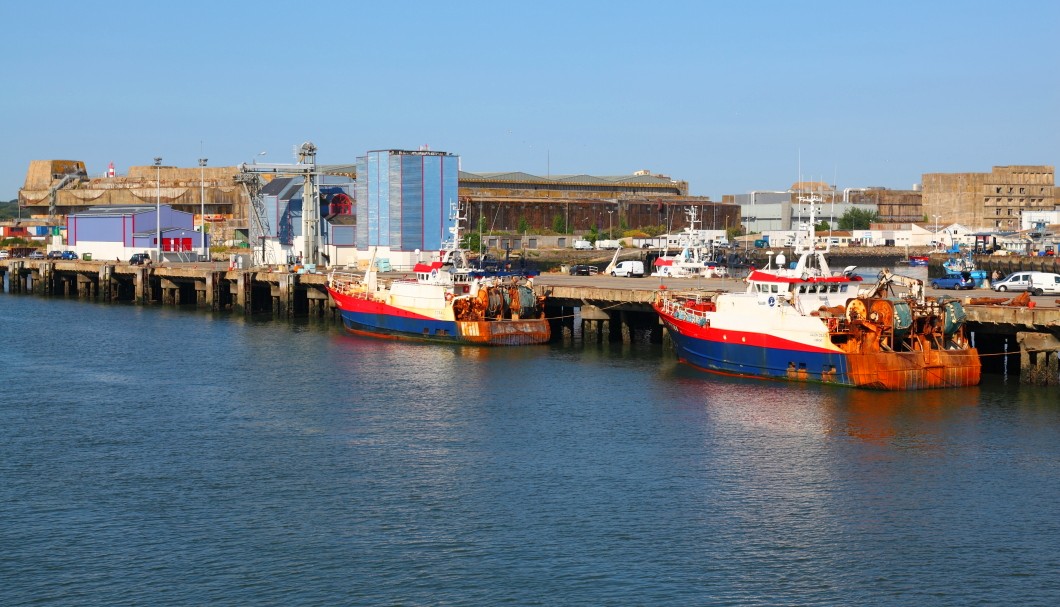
{"x": 116, "y": 232}
{"x": 56, "y": 188}
{"x": 784, "y": 211}
{"x": 575, "y": 204}
{"x": 406, "y": 203}
{"x": 280, "y": 237}
{"x": 997, "y": 200}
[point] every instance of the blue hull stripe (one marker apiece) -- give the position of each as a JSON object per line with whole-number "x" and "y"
{"x": 754, "y": 361}
{"x": 418, "y": 328}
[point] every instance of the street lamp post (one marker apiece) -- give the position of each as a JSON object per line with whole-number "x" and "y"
{"x": 610, "y": 236}
{"x": 158, "y": 207}
{"x": 202, "y": 204}
{"x": 938, "y": 239}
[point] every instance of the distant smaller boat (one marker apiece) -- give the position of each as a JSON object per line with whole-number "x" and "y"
{"x": 694, "y": 260}
{"x": 919, "y": 260}
{"x": 965, "y": 263}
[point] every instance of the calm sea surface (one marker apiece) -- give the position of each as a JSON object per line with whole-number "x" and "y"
{"x": 153, "y": 456}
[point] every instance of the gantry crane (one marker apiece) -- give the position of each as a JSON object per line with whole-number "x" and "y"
{"x": 307, "y": 168}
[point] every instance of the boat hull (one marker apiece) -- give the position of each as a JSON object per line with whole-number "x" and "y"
{"x": 765, "y": 356}
{"x": 363, "y": 316}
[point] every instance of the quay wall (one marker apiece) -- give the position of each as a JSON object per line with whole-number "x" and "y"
{"x": 599, "y": 308}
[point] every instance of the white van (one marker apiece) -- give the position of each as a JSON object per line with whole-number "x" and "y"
{"x": 629, "y": 268}
{"x": 1043, "y": 283}
{"x": 583, "y": 245}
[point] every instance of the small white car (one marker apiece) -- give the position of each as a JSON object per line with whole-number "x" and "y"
{"x": 1017, "y": 281}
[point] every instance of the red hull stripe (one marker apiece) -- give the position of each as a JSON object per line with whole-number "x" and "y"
{"x": 743, "y": 338}
{"x": 368, "y": 306}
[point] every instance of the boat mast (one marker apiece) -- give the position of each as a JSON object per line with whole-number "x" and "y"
{"x": 805, "y": 246}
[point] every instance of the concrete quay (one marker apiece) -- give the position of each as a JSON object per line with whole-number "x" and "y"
{"x": 593, "y": 308}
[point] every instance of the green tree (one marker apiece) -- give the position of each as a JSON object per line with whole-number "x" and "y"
{"x": 558, "y": 224}
{"x": 9, "y": 209}
{"x": 857, "y": 219}
{"x": 524, "y": 225}
{"x": 471, "y": 241}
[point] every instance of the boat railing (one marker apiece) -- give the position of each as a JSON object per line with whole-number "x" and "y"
{"x": 348, "y": 283}
{"x": 690, "y": 308}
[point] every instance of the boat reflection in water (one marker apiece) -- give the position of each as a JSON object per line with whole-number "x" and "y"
{"x": 912, "y": 419}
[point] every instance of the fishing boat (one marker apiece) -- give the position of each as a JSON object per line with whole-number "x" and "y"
{"x": 964, "y": 262}
{"x": 694, "y": 260}
{"x": 809, "y": 324}
{"x": 449, "y": 300}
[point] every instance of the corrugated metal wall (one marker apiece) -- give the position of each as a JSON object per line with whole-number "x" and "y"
{"x": 342, "y": 236}
{"x": 404, "y": 198}
{"x": 410, "y": 227}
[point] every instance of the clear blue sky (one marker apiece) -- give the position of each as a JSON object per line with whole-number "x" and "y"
{"x": 730, "y": 96}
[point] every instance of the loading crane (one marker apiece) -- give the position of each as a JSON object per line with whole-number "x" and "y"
{"x": 306, "y": 167}
{"x": 887, "y": 280}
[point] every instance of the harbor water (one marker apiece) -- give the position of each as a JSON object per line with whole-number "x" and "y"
{"x": 159, "y": 456}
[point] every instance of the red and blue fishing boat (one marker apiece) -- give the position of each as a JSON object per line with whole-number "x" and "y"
{"x": 448, "y": 300}
{"x": 807, "y": 323}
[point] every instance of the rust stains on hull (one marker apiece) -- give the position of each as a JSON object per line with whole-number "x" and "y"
{"x": 915, "y": 370}
{"x": 505, "y": 332}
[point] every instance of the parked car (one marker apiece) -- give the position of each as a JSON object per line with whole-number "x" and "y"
{"x": 68, "y": 255}
{"x": 954, "y": 280}
{"x": 55, "y": 255}
{"x": 4, "y": 254}
{"x": 1017, "y": 281}
{"x": 138, "y": 259}
{"x": 583, "y": 270}
{"x": 36, "y": 254}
